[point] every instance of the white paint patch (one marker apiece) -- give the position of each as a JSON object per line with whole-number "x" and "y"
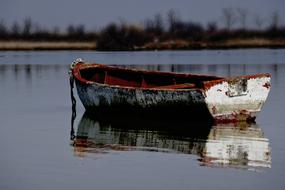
{"x": 221, "y": 103}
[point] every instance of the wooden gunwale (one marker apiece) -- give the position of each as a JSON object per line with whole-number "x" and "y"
{"x": 177, "y": 87}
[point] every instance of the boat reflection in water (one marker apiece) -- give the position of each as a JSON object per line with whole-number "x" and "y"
{"x": 241, "y": 145}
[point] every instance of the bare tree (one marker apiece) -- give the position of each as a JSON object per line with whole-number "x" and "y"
{"x": 154, "y": 25}
{"x": 212, "y": 26}
{"x": 70, "y": 30}
{"x": 259, "y": 21}
{"x": 80, "y": 30}
{"x": 3, "y": 27}
{"x": 275, "y": 19}
{"x": 172, "y": 19}
{"x": 27, "y": 28}
{"x": 242, "y": 17}
{"x": 229, "y": 17}
{"x": 158, "y": 22}
{"x": 16, "y": 29}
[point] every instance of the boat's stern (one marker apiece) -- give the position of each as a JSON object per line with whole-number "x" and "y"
{"x": 238, "y": 98}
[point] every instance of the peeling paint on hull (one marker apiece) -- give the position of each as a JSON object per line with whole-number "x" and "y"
{"x": 188, "y": 103}
{"x": 243, "y": 106}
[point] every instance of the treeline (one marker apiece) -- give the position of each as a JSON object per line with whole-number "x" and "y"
{"x": 171, "y": 32}
{"x": 31, "y": 31}
{"x": 168, "y": 31}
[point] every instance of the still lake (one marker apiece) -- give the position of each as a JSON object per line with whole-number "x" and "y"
{"x": 37, "y": 151}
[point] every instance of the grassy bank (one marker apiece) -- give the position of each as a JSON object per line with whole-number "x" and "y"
{"x": 30, "y": 45}
{"x": 228, "y": 44}
{"x": 165, "y": 45}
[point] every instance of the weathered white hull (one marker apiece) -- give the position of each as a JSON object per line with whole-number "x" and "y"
{"x": 237, "y": 99}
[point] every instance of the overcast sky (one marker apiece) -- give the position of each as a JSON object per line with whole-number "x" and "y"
{"x": 97, "y": 13}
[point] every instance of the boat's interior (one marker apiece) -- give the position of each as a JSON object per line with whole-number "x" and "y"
{"x": 144, "y": 79}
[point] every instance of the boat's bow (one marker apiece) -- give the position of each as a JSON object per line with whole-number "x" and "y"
{"x": 237, "y": 99}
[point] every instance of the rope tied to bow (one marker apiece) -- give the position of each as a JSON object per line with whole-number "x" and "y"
{"x": 73, "y": 100}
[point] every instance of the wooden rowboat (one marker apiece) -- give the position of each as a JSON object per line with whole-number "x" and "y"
{"x": 107, "y": 89}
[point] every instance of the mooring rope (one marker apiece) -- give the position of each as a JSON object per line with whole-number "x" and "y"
{"x": 73, "y": 100}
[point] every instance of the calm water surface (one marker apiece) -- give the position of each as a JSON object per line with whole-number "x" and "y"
{"x": 40, "y": 151}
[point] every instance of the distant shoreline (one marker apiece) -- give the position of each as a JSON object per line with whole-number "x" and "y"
{"x": 32, "y": 45}
{"x": 167, "y": 45}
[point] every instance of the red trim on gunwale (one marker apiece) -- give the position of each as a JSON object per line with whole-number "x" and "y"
{"x": 82, "y": 66}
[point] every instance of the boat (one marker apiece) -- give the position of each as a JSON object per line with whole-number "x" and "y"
{"x": 105, "y": 89}
{"x": 239, "y": 145}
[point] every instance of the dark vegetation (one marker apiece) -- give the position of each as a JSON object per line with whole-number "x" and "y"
{"x": 30, "y": 31}
{"x": 159, "y": 32}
